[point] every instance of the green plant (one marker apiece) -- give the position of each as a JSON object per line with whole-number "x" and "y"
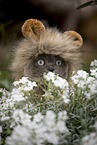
{"x": 52, "y": 111}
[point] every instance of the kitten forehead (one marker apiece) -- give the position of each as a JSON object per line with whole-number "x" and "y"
{"x": 47, "y": 56}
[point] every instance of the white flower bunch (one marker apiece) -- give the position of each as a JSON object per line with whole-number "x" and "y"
{"x": 93, "y": 68}
{"x": 90, "y": 139}
{"x": 20, "y": 93}
{"x": 48, "y": 128}
{"x": 31, "y": 129}
{"x": 32, "y": 118}
{"x": 93, "y": 64}
{"x": 24, "y": 84}
{"x": 61, "y": 85}
{"x": 83, "y": 84}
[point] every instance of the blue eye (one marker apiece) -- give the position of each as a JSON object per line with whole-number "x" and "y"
{"x": 58, "y": 62}
{"x": 40, "y": 62}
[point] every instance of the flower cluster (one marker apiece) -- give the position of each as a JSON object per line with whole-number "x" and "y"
{"x": 90, "y": 139}
{"x": 60, "y": 113}
{"x": 83, "y": 84}
{"x": 93, "y": 64}
{"x": 44, "y": 128}
{"x": 61, "y": 85}
{"x": 20, "y": 93}
{"x": 30, "y": 129}
{"x": 24, "y": 84}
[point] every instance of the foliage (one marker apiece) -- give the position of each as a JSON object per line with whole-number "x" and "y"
{"x": 5, "y": 80}
{"x": 90, "y": 3}
{"x": 52, "y": 111}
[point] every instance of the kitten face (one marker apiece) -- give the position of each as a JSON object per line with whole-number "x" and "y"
{"x": 38, "y": 65}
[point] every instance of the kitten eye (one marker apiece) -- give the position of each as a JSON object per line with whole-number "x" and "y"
{"x": 58, "y": 62}
{"x": 40, "y": 62}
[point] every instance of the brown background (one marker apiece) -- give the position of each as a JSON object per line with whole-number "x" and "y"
{"x": 62, "y": 14}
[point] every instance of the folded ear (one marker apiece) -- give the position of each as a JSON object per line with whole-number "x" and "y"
{"x": 33, "y": 28}
{"x": 76, "y": 38}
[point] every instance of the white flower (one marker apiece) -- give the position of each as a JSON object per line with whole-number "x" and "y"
{"x": 61, "y": 127}
{"x": 1, "y": 90}
{"x": 50, "y": 119}
{"x": 38, "y": 117}
{"x": 21, "y": 117}
{"x": 94, "y": 72}
{"x": 52, "y": 138}
{"x": 23, "y": 80}
{"x": 50, "y": 115}
{"x": 90, "y": 80}
{"x": 32, "y": 84}
{"x": 20, "y": 136}
{"x": 16, "y": 83}
{"x": 24, "y": 84}
{"x": 62, "y": 115}
{"x": 80, "y": 77}
{"x": 5, "y": 118}
{"x": 85, "y": 85}
{"x": 93, "y": 63}
{"x": 17, "y": 95}
{"x": 59, "y": 82}
{"x": 49, "y": 76}
{"x": 90, "y": 139}
{"x": 65, "y": 96}
{"x": 43, "y": 128}
{"x": 0, "y": 129}
{"x": 82, "y": 74}
{"x": 75, "y": 79}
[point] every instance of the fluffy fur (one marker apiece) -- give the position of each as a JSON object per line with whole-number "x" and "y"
{"x": 51, "y": 41}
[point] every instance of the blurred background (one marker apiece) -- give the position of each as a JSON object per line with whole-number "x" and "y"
{"x": 62, "y": 14}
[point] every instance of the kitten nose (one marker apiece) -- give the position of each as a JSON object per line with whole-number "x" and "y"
{"x": 51, "y": 69}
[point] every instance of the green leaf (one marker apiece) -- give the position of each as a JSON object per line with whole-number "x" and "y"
{"x": 91, "y": 3}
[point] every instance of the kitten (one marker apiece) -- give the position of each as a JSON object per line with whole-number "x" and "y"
{"x": 44, "y": 63}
